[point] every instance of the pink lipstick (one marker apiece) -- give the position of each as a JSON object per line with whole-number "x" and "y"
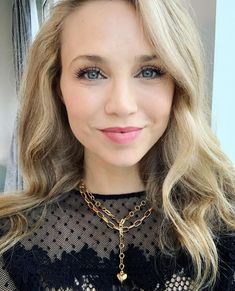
{"x": 122, "y": 135}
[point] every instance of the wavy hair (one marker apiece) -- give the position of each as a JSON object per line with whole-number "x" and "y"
{"x": 187, "y": 177}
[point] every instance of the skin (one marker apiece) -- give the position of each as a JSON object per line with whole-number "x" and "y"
{"x": 122, "y": 94}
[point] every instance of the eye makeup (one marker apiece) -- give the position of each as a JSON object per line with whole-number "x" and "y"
{"x": 91, "y": 73}
{"x": 82, "y": 72}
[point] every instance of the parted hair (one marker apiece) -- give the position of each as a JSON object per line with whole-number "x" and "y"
{"x": 189, "y": 180}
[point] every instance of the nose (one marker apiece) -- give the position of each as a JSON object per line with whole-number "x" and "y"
{"x": 120, "y": 99}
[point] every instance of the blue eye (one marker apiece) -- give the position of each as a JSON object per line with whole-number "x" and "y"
{"x": 151, "y": 72}
{"x": 89, "y": 74}
{"x": 94, "y": 73}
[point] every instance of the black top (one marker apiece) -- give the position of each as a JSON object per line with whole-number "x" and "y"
{"x": 74, "y": 249}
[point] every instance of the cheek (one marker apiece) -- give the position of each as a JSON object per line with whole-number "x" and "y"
{"x": 79, "y": 109}
{"x": 158, "y": 102}
{"x": 81, "y": 103}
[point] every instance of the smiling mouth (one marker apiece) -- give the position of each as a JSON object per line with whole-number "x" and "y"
{"x": 121, "y": 129}
{"x": 122, "y": 135}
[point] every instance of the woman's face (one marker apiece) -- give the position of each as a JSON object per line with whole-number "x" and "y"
{"x": 117, "y": 95}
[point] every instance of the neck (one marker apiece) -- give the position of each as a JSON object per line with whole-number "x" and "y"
{"x": 108, "y": 179}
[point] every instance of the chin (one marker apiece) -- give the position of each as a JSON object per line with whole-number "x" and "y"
{"x": 123, "y": 162}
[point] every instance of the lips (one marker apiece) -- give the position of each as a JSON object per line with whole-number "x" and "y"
{"x": 122, "y": 135}
{"x": 121, "y": 129}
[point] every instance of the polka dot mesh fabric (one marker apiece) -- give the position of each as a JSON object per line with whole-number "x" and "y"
{"x": 73, "y": 249}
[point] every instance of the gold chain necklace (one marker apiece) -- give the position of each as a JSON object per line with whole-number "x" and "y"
{"x": 105, "y": 215}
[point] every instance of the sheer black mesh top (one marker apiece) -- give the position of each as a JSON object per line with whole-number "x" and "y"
{"x": 74, "y": 249}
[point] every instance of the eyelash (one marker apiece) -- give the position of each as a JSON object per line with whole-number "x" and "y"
{"x": 82, "y": 71}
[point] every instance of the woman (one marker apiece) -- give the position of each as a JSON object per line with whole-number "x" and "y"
{"x": 126, "y": 187}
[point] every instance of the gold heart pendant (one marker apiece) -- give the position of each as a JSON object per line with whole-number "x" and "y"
{"x": 121, "y": 276}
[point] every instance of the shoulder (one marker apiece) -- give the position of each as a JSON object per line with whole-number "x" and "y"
{"x": 226, "y": 245}
{"x": 226, "y": 255}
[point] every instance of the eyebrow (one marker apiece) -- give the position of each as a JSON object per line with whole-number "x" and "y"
{"x": 103, "y": 60}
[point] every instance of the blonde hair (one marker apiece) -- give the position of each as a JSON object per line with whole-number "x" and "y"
{"x": 185, "y": 173}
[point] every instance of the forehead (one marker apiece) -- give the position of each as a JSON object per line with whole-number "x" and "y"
{"x": 104, "y": 26}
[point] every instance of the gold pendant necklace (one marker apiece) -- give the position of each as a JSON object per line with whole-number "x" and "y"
{"x": 107, "y": 217}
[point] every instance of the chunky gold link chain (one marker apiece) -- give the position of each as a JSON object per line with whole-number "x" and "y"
{"x": 106, "y": 214}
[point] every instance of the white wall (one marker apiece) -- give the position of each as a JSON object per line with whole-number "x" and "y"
{"x": 203, "y": 12}
{"x": 8, "y": 98}
{"x": 223, "y": 104}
